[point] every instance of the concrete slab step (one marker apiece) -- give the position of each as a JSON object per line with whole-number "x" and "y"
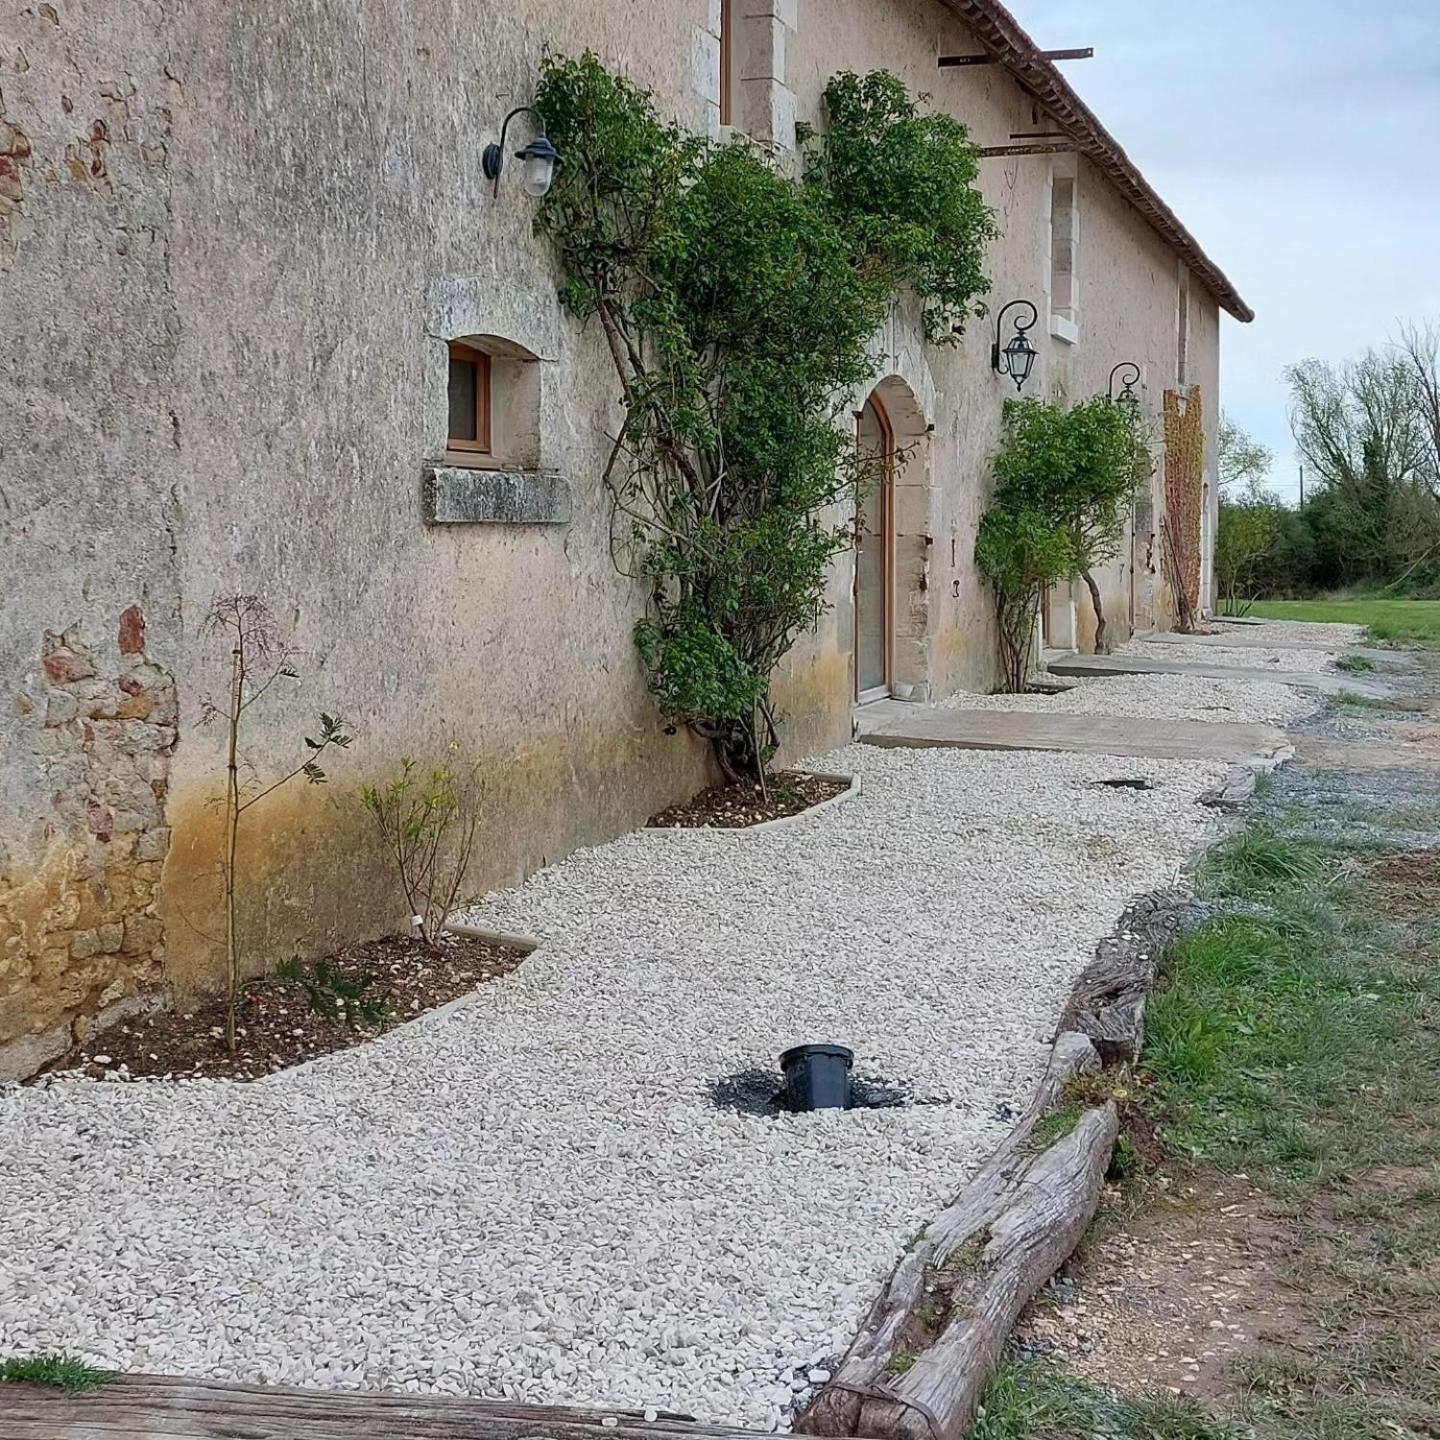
{"x": 1324, "y": 682}
{"x": 930, "y": 726}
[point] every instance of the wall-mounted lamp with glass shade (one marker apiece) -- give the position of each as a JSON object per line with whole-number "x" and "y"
{"x": 541, "y": 158}
{"x": 1016, "y": 358}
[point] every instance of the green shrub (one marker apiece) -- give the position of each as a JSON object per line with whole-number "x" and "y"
{"x": 738, "y": 305}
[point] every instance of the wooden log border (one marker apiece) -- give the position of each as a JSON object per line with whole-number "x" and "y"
{"x": 931, "y": 1341}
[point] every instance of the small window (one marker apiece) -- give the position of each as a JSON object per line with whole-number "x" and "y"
{"x": 469, "y": 433}
{"x": 727, "y": 62}
{"x": 1064, "y": 249}
{"x": 1182, "y": 333}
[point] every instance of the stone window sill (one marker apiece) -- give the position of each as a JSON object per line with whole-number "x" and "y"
{"x": 456, "y": 496}
{"x": 1064, "y": 329}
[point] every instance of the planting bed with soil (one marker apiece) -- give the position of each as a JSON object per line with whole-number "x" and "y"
{"x": 279, "y": 1022}
{"x": 736, "y": 807}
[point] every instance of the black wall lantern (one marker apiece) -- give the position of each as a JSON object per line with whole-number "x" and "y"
{"x": 1016, "y": 358}
{"x": 541, "y": 158}
{"x": 1129, "y": 373}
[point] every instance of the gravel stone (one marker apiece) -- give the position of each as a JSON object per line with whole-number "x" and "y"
{"x": 1159, "y": 697}
{"x": 1254, "y": 657}
{"x": 528, "y": 1194}
{"x": 1296, "y": 632}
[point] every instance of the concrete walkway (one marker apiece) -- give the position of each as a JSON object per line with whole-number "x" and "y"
{"x": 1320, "y": 681}
{"x": 892, "y": 723}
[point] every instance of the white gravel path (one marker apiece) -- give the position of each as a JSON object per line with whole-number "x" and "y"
{"x": 529, "y": 1194}
{"x": 1295, "y": 632}
{"x": 1159, "y": 697}
{"x": 1252, "y": 657}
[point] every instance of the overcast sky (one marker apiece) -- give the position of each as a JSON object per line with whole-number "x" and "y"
{"x": 1299, "y": 142}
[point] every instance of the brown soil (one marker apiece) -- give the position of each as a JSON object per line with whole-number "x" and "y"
{"x": 733, "y": 807}
{"x": 278, "y": 1027}
{"x": 1173, "y": 1299}
{"x": 1405, "y": 886}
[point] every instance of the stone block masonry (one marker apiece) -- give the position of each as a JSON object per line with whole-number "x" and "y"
{"x": 80, "y": 938}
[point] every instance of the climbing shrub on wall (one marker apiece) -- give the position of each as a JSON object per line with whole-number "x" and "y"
{"x": 1065, "y": 480}
{"x": 738, "y": 304}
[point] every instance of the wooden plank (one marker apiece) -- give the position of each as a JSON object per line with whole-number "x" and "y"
{"x": 160, "y": 1407}
{"x": 1057, "y": 147}
{"x": 1086, "y": 52}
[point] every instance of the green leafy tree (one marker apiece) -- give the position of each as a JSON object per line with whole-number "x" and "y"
{"x": 1020, "y": 554}
{"x": 1251, "y": 527}
{"x": 1077, "y": 469}
{"x": 738, "y": 306}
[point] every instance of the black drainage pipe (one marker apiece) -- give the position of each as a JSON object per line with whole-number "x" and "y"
{"x": 817, "y": 1077}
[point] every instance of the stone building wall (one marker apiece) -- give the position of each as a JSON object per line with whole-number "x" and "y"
{"x": 82, "y": 939}
{"x": 234, "y": 246}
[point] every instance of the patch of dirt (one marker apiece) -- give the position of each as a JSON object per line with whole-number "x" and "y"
{"x": 279, "y": 1026}
{"x": 1406, "y": 886}
{"x": 735, "y": 807}
{"x": 1173, "y": 1299}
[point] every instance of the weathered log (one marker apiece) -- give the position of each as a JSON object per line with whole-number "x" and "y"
{"x": 1108, "y": 1001}
{"x": 836, "y": 1410}
{"x": 1048, "y": 1209}
{"x": 161, "y": 1407}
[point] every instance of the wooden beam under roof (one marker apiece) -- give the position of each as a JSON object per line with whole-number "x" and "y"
{"x": 1086, "y": 52}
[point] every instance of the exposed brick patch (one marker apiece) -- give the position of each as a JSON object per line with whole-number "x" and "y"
{"x": 84, "y": 937}
{"x": 132, "y": 640}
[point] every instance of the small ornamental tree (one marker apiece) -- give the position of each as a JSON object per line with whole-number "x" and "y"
{"x": 1019, "y": 554}
{"x": 260, "y": 657}
{"x": 1064, "y": 482}
{"x": 738, "y": 305}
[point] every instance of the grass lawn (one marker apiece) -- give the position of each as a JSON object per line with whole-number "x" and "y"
{"x": 1400, "y": 622}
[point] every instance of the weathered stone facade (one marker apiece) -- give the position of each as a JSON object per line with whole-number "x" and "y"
{"x": 80, "y": 934}
{"x": 235, "y": 243}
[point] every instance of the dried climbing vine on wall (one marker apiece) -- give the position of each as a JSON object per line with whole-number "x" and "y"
{"x": 1180, "y": 528}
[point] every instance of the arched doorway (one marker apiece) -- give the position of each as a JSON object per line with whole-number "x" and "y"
{"x": 875, "y": 559}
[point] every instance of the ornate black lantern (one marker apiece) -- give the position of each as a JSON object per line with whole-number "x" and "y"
{"x": 1129, "y": 373}
{"x": 541, "y": 158}
{"x": 1016, "y": 358}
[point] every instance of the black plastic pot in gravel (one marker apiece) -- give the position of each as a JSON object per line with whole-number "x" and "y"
{"x": 758, "y": 1091}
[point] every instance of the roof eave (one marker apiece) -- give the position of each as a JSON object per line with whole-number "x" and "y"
{"x": 1002, "y": 36}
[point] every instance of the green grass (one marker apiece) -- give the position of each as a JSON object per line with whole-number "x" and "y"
{"x": 1394, "y": 622}
{"x": 64, "y": 1372}
{"x": 1039, "y": 1402}
{"x": 1257, "y": 863}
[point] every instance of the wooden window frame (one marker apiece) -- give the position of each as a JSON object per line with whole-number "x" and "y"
{"x": 460, "y": 450}
{"x": 727, "y": 62}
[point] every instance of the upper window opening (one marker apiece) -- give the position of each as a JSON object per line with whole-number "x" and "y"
{"x": 1182, "y": 334}
{"x": 727, "y": 62}
{"x": 469, "y": 400}
{"x": 1064, "y": 249}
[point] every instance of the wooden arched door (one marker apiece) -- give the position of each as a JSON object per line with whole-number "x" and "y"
{"x": 875, "y": 559}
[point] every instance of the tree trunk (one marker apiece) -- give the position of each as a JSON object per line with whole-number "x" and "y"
{"x": 1102, "y": 642}
{"x": 232, "y": 836}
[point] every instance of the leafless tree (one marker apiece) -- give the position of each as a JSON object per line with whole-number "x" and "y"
{"x": 259, "y": 658}
{"x": 1419, "y": 350}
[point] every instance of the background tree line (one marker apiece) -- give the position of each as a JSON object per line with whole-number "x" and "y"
{"x": 1368, "y": 434}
